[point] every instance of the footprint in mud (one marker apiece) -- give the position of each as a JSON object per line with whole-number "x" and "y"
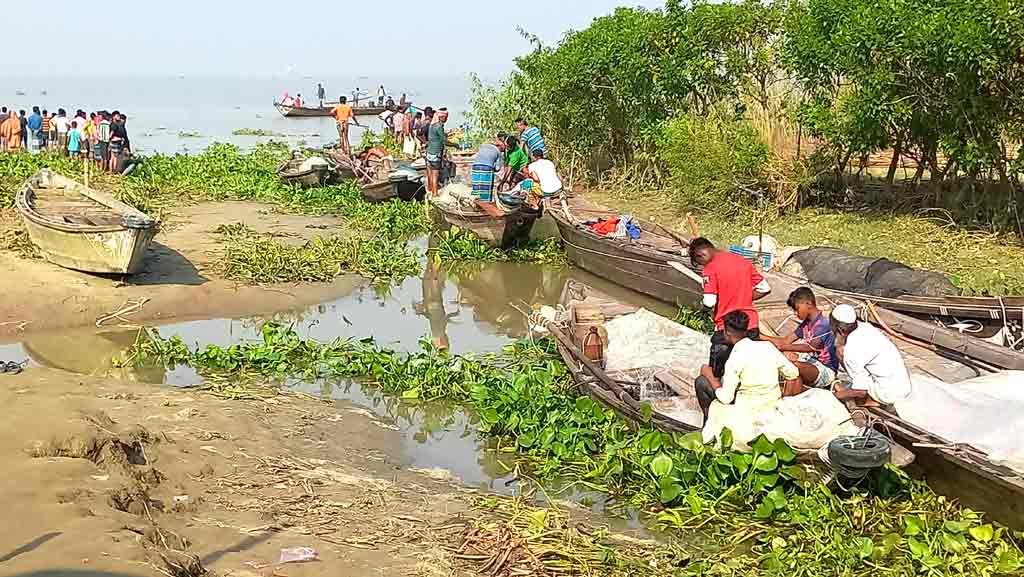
{"x": 98, "y": 440}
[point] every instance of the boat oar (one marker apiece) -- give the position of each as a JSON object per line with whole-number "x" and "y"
{"x": 686, "y": 271}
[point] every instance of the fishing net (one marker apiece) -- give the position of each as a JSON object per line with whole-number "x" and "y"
{"x": 986, "y": 412}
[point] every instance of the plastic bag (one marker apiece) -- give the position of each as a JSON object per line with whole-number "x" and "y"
{"x": 297, "y": 555}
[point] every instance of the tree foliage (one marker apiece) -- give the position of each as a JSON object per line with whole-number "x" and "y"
{"x": 937, "y": 82}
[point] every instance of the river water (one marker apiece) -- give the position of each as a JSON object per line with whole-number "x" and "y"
{"x": 186, "y": 114}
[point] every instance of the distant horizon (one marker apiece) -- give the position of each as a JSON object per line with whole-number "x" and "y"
{"x": 229, "y": 39}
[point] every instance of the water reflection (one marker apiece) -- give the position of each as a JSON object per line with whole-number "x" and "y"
{"x": 90, "y": 353}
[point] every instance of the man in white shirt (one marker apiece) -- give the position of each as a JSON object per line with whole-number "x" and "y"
{"x": 387, "y": 117}
{"x": 63, "y": 125}
{"x": 543, "y": 171}
{"x": 750, "y": 383}
{"x": 876, "y": 368}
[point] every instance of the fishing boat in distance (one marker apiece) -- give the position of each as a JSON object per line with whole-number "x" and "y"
{"x": 321, "y": 111}
{"x": 80, "y": 228}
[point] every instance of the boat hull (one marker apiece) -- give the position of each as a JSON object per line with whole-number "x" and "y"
{"x": 76, "y": 227}
{"x": 641, "y": 270}
{"x": 383, "y": 191}
{"x": 317, "y": 176}
{"x": 322, "y": 111}
{"x": 115, "y": 252}
{"x": 497, "y": 231}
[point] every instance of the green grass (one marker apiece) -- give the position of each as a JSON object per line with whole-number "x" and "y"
{"x": 978, "y": 263}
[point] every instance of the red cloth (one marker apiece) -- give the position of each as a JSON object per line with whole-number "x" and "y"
{"x": 606, "y": 226}
{"x": 732, "y": 279}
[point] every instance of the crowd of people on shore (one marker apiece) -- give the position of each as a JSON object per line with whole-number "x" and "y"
{"x": 742, "y": 377}
{"x": 511, "y": 170}
{"x": 100, "y": 136}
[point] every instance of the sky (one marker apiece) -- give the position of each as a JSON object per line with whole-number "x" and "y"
{"x": 268, "y": 38}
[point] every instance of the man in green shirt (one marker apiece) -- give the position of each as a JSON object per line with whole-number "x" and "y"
{"x": 436, "y": 140}
{"x": 516, "y": 161}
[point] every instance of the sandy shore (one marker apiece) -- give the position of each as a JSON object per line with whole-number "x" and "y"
{"x": 179, "y": 281}
{"x": 118, "y": 477}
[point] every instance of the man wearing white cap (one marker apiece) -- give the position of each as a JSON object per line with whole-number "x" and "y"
{"x": 874, "y": 364}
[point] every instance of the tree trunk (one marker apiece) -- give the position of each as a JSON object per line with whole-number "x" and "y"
{"x": 897, "y": 151}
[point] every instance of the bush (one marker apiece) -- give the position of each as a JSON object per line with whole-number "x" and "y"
{"x": 713, "y": 163}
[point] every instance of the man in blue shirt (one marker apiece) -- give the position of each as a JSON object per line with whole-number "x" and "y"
{"x": 530, "y": 136}
{"x": 35, "y": 129}
{"x": 812, "y": 346}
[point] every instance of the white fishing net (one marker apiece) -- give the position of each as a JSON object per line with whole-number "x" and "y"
{"x": 986, "y": 412}
{"x": 646, "y": 341}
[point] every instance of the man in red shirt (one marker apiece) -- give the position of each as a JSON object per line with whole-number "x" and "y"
{"x": 731, "y": 283}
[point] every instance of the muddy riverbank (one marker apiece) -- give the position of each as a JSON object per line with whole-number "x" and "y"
{"x": 113, "y": 476}
{"x": 179, "y": 281}
{"x": 116, "y": 477}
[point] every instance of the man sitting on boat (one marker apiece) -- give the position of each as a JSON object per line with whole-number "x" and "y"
{"x": 543, "y": 172}
{"x": 749, "y": 385}
{"x": 812, "y": 346}
{"x": 489, "y": 161}
{"x": 875, "y": 366}
{"x": 731, "y": 283}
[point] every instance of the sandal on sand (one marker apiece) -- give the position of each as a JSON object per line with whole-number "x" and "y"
{"x": 10, "y": 367}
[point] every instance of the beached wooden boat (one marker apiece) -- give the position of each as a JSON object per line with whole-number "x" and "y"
{"x": 291, "y": 172}
{"x": 496, "y": 228}
{"x": 643, "y": 265}
{"x": 958, "y": 470}
{"x": 81, "y": 228}
{"x": 325, "y": 110}
{"x": 387, "y": 189}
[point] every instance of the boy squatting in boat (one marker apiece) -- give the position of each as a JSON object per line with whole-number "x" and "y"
{"x": 743, "y": 372}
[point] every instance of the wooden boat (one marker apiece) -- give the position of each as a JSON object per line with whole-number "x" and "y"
{"x": 83, "y": 229}
{"x": 404, "y": 181}
{"x": 643, "y": 265}
{"x": 290, "y": 173}
{"x": 387, "y": 189}
{"x": 325, "y": 110}
{"x": 958, "y": 470}
{"x": 675, "y": 411}
{"x": 496, "y": 228}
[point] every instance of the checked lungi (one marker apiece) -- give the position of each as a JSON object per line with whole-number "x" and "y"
{"x": 482, "y": 181}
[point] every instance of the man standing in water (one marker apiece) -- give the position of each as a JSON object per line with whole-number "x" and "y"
{"x": 436, "y": 140}
{"x": 320, "y": 93}
{"x": 342, "y": 115}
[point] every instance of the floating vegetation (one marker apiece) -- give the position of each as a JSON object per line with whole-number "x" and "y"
{"x": 759, "y": 512}
{"x": 256, "y": 132}
{"x": 456, "y": 244}
{"x": 259, "y": 258}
